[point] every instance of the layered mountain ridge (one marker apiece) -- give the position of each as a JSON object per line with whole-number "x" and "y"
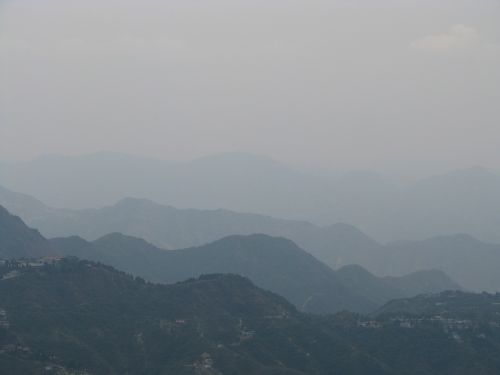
{"x": 472, "y": 263}
{"x": 276, "y": 264}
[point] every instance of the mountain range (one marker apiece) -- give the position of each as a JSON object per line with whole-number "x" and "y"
{"x": 462, "y": 201}
{"x": 472, "y": 263}
{"x": 172, "y": 228}
{"x": 273, "y": 263}
{"x": 70, "y": 316}
{"x": 276, "y": 264}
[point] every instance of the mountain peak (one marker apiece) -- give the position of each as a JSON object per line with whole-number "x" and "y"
{"x": 119, "y": 238}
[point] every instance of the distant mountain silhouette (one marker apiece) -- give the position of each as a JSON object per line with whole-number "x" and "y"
{"x": 237, "y": 181}
{"x": 172, "y": 228}
{"x": 472, "y": 263}
{"x": 380, "y": 290}
{"x": 24, "y": 205}
{"x": 463, "y": 201}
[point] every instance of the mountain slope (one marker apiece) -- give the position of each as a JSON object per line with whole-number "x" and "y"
{"x": 24, "y": 205}
{"x": 423, "y": 282}
{"x": 19, "y": 241}
{"x": 472, "y": 263}
{"x": 448, "y": 304}
{"x": 380, "y": 290}
{"x": 77, "y": 317}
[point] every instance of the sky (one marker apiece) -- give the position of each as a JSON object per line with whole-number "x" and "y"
{"x": 348, "y": 84}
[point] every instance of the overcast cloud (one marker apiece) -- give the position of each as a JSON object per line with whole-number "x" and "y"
{"x": 346, "y": 83}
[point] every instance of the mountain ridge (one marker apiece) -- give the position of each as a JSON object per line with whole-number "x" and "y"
{"x": 17, "y": 240}
{"x": 273, "y": 263}
{"x": 75, "y": 316}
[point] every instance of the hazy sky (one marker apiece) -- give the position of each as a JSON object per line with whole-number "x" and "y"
{"x": 361, "y": 84}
